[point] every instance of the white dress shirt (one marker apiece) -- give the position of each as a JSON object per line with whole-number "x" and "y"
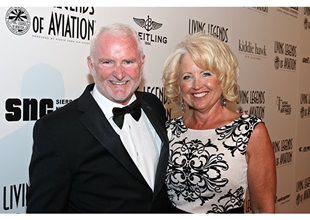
{"x": 139, "y": 137}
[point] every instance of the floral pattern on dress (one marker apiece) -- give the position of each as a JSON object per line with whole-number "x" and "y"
{"x": 193, "y": 171}
{"x": 199, "y": 172}
{"x": 232, "y": 200}
{"x": 237, "y": 135}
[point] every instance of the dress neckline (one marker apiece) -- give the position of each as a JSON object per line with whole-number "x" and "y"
{"x": 211, "y": 129}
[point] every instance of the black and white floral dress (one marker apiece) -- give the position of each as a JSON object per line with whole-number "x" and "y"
{"x": 207, "y": 170}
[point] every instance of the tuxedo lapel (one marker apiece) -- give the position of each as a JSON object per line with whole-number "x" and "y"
{"x": 96, "y": 122}
{"x": 163, "y": 159}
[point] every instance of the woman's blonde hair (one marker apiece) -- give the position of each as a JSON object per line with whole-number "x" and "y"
{"x": 208, "y": 53}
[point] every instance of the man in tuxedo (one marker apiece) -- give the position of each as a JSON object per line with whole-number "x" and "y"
{"x": 92, "y": 156}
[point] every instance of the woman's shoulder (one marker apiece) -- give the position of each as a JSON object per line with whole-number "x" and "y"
{"x": 248, "y": 121}
{"x": 174, "y": 121}
{"x": 250, "y": 118}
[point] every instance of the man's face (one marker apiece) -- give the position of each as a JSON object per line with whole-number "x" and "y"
{"x": 117, "y": 67}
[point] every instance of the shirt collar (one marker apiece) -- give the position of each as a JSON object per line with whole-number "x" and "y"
{"x": 107, "y": 105}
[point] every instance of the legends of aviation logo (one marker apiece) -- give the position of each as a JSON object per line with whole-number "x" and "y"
{"x": 306, "y": 21}
{"x": 285, "y": 58}
{"x": 70, "y": 24}
{"x": 17, "y": 20}
{"x": 306, "y": 24}
{"x": 149, "y": 24}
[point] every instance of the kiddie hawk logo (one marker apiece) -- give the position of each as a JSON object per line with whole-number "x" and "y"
{"x": 17, "y": 20}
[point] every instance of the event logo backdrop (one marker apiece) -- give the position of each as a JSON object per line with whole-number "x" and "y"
{"x": 43, "y": 60}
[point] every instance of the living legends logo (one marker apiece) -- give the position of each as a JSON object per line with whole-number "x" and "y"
{"x": 283, "y": 150}
{"x": 289, "y": 62}
{"x": 149, "y": 25}
{"x": 304, "y": 106}
{"x": 160, "y": 93}
{"x": 63, "y": 24}
{"x": 306, "y": 21}
{"x": 256, "y": 99}
{"x": 302, "y": 191}
{"x": 306, "y": 24}
{"x": 217, "y": 31}
{"x": 307, "y": 11}
{"x": 14, "y": 196}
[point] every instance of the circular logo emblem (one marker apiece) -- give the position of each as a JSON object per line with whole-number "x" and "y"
{"x": 18, "y": 20}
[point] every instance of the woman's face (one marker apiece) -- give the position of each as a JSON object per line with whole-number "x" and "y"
{"x": 200, "y": 89}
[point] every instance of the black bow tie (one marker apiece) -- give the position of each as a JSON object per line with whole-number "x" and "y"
{"x": 134, "y": 109}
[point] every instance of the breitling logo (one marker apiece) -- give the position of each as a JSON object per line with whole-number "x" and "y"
{"x": 148, "y": 24}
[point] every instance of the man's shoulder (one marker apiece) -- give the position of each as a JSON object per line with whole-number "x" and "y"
{"x": 72, "y": 108}
{"x": 146, "y": 96}
{"x": 62, "y": 114}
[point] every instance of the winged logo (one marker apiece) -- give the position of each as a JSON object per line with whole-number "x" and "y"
{"x": 148, "y": 24}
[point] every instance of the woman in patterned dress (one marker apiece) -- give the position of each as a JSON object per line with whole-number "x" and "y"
{"x": 215, "y": 154}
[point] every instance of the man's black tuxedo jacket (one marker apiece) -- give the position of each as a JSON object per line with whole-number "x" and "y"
{"x": 79, "y": 163}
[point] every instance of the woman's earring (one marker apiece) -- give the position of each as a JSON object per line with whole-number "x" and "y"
{"x": 183, "y": 106}
{"x": 223, "y": 101}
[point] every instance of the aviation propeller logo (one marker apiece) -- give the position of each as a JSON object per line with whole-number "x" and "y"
{"x": 17, "y": 20}
{"x": 148, "y": 24}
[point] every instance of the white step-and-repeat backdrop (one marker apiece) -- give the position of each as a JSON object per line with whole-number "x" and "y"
{"x": 43, "y": 67}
